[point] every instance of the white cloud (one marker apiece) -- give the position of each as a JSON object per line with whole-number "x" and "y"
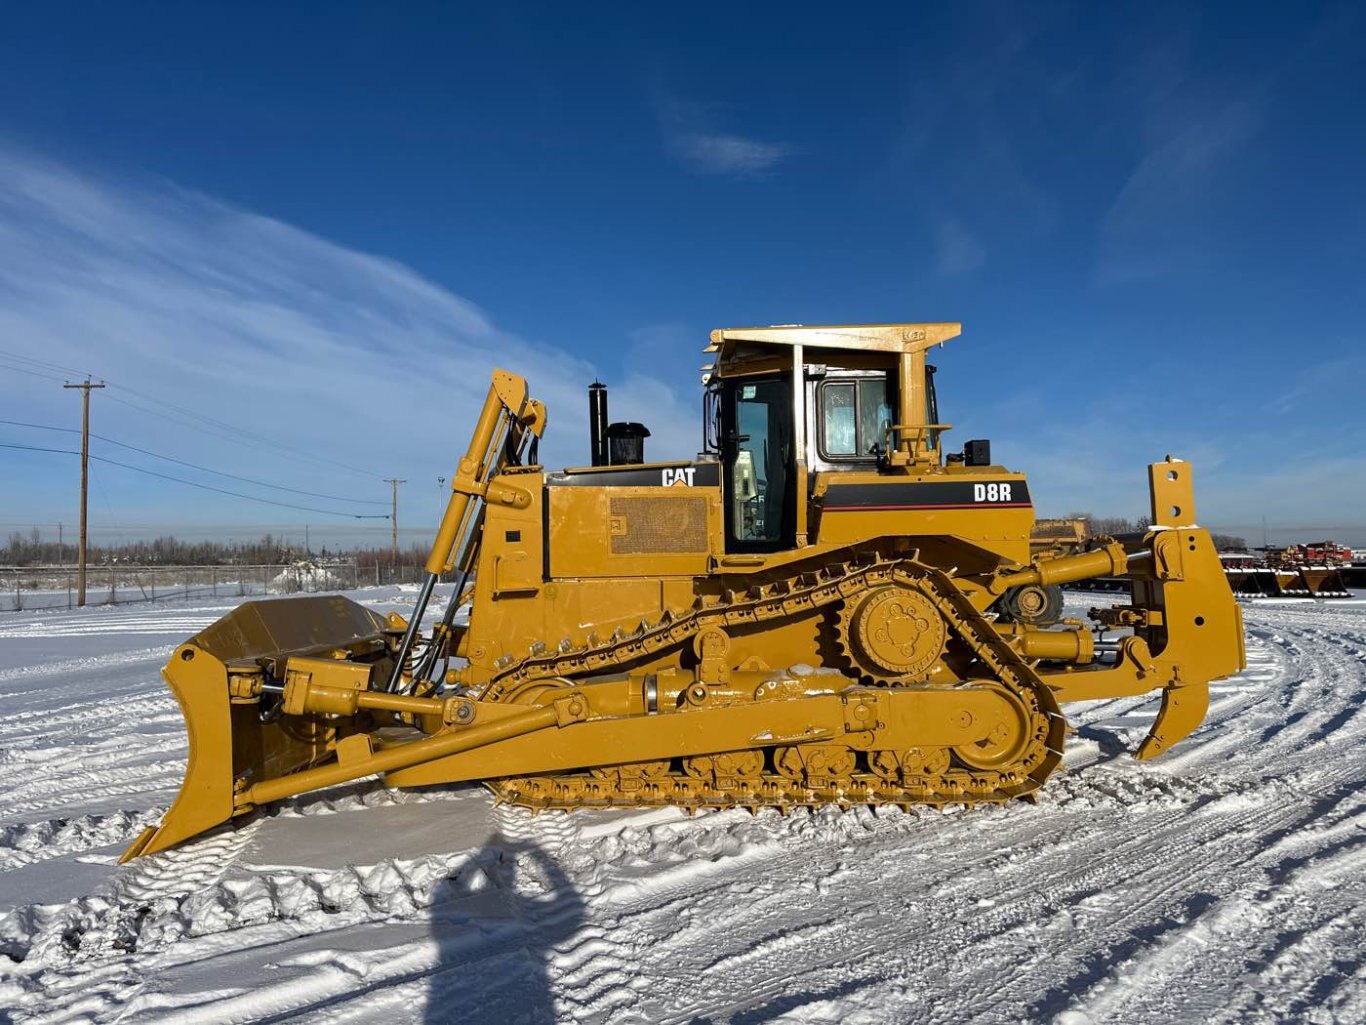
{"x": 253, "y": 321}
{"x": 727, "y": 154}
{"x": 691, "y": 137}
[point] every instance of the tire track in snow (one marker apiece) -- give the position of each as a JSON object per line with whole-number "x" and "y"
{"x": 107, "y": 621}
{"x": 1219, "y": 880}
{"x": 28, "y": 843}
{"x": 1256, "y": 914}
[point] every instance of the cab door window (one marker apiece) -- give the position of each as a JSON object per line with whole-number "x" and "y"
{"x": 760, "y": 508}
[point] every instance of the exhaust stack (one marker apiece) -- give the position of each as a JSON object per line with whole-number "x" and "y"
{"x": 597, "y": 423}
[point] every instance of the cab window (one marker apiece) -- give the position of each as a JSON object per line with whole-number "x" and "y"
{"x": 855, "y": 415}
{"x": 838, "y": 405}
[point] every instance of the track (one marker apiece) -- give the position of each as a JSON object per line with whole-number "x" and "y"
{"x": 1224, "y": 882}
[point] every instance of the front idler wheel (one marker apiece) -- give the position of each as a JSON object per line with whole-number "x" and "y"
{"x": 1005, "y": 742}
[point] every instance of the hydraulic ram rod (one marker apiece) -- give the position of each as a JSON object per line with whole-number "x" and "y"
{"x": 1103, "y": 562}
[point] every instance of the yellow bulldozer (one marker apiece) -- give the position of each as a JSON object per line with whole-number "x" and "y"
{"x": 808, "y": 613}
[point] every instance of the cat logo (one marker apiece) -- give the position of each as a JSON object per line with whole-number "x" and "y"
{"x": 680, "y": 476}
{"x": 991, "y": 492}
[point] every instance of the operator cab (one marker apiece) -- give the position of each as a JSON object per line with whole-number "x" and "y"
{"x": 867, "y": 403}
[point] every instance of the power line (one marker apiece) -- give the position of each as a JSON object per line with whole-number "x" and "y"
{"x": 39, "y": 448}
{"x": 41, "y": 363}
{"x": 226, "y": 430}
{"x": 180, "y": 415}
{"x": 203, "y": 487}
{"x": 41, "y": 427}
{"x": 238, "y": 494}
{"x": 233, "y": 476}
{"x": 196, "y": 466}
{"x": 35, "y": 373}
{"x": 246, "y": 440}
{"x": 180, "y": 421}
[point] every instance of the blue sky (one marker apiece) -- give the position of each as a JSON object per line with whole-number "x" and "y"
{"x": 324, "y": 225}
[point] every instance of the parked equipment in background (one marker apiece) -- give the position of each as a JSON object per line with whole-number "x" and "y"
{"x": 807, "y": 614}
{"x": 1316, "y": 570}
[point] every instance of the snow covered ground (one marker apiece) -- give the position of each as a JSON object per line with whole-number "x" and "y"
{"x": 1224, "y": 882}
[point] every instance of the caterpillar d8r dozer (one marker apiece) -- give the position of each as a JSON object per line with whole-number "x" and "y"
{"x": 808, "y": 613}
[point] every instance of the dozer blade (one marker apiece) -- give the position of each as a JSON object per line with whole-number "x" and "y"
{"x": 233, "y": 739}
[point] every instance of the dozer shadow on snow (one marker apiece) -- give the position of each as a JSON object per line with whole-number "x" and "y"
{"x": 824, "y": 608}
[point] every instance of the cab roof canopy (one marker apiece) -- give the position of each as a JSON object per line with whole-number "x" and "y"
{"x": 740, "y": 345}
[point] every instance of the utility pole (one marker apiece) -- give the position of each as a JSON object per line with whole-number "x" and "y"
{"x": 394, "y": 482}
{"x": 85, "y": 387}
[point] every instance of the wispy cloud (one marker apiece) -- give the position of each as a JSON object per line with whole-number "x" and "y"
{"x": 251, "y": 320}
{"x": 1327, "y": 386}
{"x": 691, "y": 137}
{"x": 727, "y": 154}
{"x": 957, "y": 250}
{"x": 1157, "y": 223}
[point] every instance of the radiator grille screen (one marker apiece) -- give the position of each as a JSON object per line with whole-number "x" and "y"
{"x": 644, "y": 525}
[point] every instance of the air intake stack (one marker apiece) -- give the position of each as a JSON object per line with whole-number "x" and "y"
{"x": 626, "y": 443}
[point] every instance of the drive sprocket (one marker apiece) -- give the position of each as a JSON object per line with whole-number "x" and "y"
{"x": 892, "y": 633}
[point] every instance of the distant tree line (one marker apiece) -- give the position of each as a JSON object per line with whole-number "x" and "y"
{"x": 267, "y": 550}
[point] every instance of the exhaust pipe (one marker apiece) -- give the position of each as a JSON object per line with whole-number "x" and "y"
{"x": 597, "y": 423}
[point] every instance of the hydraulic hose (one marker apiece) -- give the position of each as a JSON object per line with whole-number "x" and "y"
{"x": 409, "y": 635}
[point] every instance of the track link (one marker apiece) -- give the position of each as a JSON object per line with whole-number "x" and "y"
{"x": 768, "y": 790}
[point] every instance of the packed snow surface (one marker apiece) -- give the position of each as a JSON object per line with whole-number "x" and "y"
{"x": 1225, "y": 882}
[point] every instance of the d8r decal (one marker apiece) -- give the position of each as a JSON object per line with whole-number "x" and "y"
{"x": 992, "y": 492}
{"x": 926, "y": 495}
